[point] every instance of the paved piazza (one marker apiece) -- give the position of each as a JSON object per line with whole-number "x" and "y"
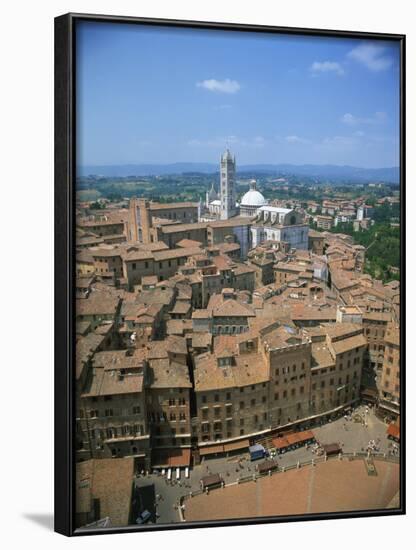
{"x": 330, "y": 486}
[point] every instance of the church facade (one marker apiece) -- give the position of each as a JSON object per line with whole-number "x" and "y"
{"x": 280, "y": 224}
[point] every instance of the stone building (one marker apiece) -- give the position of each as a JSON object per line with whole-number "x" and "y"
{"x": 234, "y": 230}
{"x": 168, "y": 396}
{"x": 375, "y": 325}
{"x": 281, "y": 225}
{"x": 289, "y": 356}
{"x": 112, "y": 408}
{"x": 231, "y": 390}
{"x": 389, "y": 391}
{"x": 163, "y": 264}
{"x": 98, "y": 307}
{"x": 316, "y": 242}
{"x": 261, "y": 382}
{"x": 143, "y": 215}
{"x": 324, "y": 222}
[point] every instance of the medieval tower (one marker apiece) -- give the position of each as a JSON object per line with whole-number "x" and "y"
{"x": 227, "y": 188}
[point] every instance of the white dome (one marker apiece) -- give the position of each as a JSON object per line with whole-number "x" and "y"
{"x": 253, "y": 198}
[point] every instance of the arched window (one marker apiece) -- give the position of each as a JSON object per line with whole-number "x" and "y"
{"x": 292, "y": 219}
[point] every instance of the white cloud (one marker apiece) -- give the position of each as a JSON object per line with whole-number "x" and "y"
{"x": 337, "y": 142}
{"x": 351, "y": 120}
{"x": 326, "y": 67}
{"x": 371, "y": 56}
{"x": 226, "y": 86}
{"x": 296, "y": 139}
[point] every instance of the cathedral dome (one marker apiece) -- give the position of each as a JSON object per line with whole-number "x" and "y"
{"x": 253, "y": 197}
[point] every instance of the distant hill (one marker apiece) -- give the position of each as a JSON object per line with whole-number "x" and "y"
{"x": 329, "y": 171}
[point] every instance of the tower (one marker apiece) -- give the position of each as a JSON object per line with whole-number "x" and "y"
{"x": 144, "y": 221}
{"x": 227, "y": 188}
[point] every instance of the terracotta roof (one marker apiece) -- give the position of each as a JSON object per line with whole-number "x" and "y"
{"x": 180, "y": 227}
{"x": 110, "y": 481}
{"x": 248, "y": 369}
{"x": 347, "y": 344}
{"x": 393, "y": 431}
{"x": 172, "y": 205}
{"x": 175, "y": 253}
{"x": 233, "y": 308}
{"x": 168, "y": 374}
{"x": 119, "y": 359}
{"x": 172, "y": 458}
{"x": 321, "y": 355}
{"x": 98, "y": 303}
{"x": 107, "y": 382}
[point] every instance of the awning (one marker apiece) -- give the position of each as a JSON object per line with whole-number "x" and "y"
{"x": 307, "y": 435}
{"x": 172, "y": 458}
{"x": 393, "y": 431}
{"x": 293, "y": 439}
{"x": 236, "y": 445}
{"x": 214, "y": 449}
{"x": 280, "y": 443}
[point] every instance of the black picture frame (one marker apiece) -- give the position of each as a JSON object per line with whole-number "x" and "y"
{"x": 65, "y": 162}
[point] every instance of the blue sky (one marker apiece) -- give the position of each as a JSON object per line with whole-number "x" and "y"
{"x": 162, "y": 95}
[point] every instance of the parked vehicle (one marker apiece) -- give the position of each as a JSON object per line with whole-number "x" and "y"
{"x": 256, "y": 452}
